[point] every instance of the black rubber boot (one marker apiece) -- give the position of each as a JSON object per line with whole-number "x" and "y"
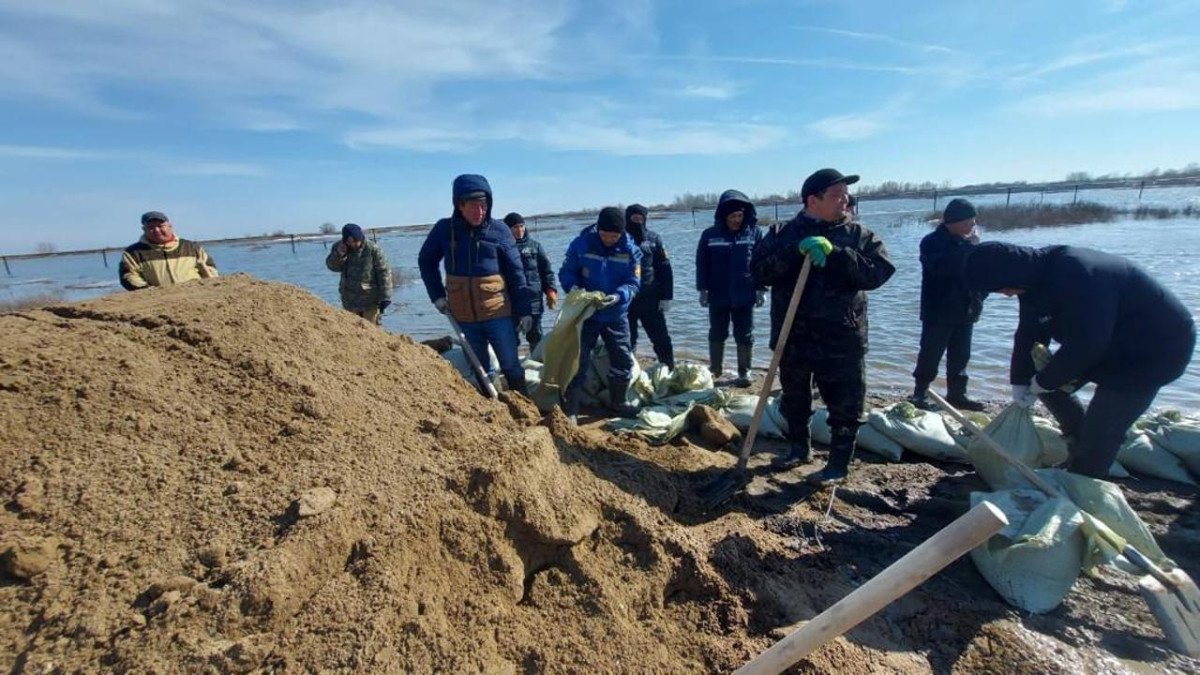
{"x": 744, "y": 354}
{"x": 798, "y": 453}
{"x": 716, "y": 358}
{"x": 919, "y": 397}
{"x": 571, "y": 404}
{"x": 956, "y": 395}
{"x": 841, "y": 450}
{"x": 617, "y": 387}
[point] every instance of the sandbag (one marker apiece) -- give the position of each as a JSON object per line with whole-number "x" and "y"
{"x": 869, "y": 438}
{"x": 1179, "y": 435}
{"x": 655, "y": 424}
{"x": 1142, "y": 455}
{"x": 920, "y": 431}
{"x": 1055, "y": 451}
{"x": 1013, "y": 430}
{"x": 458, "y": 358}
{"x": 740, "y": 411}
{"x": 1105, "y": 501}
{"x": 1035, "y": 560}
{"x": 558, "y": 352}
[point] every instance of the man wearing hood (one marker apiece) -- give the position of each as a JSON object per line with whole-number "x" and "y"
{"x": 725, "y": 284}
{"x": 160, "y": 258}
{"x": 603, "y": 258}
{"x": 484, "y": 289}
{"x": 828, "y": 339}
{"x": 1115, "y": 326}
{"x": 366, "y": 279}
{"x": 539, "y": 275}
{"x": 658, "y": 287}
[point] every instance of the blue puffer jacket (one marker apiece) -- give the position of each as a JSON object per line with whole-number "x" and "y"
{"x": 592, "y": 266}
{"x": 485, "y": 278}
{"x": 723, "y": 256}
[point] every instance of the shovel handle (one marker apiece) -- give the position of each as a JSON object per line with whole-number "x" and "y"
{"x": 480, "y": 374}
{"x": 776, "y": 357}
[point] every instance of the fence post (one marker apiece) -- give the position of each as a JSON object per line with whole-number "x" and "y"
{"x": 1140, "y": 188}
{"x": 374, "y": 237}
{"x": 6, "y": 266}
{"x": 935, "y": 199}
{"x": 1076, "y": 197}
{"x": 693, "y": 216}
{"x": 104, "y": 254}
{"x": 776, "y": 211}
{"x": 293, "y": 243}
{"x": 1008, "y": 198}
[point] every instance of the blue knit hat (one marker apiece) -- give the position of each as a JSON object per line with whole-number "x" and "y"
{"x": 352, "y": 231}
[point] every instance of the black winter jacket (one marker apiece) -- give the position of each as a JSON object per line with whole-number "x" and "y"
{"x": 658, "y": 281}
{"x": 539, "y": 275}
{"x": 723, "y": 256}
{"x": 944, "y": 299}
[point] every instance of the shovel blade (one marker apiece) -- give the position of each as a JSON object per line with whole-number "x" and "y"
{"x": 723, "y": 488}
{"x": 1177, "y": 610}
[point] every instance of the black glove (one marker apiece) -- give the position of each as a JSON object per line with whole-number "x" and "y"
{"x": 384, "y": 305}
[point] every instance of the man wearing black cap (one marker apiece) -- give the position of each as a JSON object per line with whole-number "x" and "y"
{"x": 948, "y": 310}
{"x": 160, "y": 258}
{"x": 604, "y": 258}
{"x": 366, "y": 278}
{"x": 828, "y": 339}
{"x": 1115, "y": 325}
{"x": 658, "y": 287}
{"x": 538, "y": 275}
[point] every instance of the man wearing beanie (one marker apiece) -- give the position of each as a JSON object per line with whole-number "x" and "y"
{"x": 160, "y": 258}
{"x": 828, "y": 339}
{"x": 658, "y": 287}
{"x": 604, "y": 259}
{"x": 539, "y": 276}
{"x": 484, "y": 289}
{"x": 948, "y": 310}
{"x": 366, "y": 278}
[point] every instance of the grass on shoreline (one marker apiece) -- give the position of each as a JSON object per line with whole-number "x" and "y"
{"x": 28, "y": 302}
{"x": 1026, "y": 216}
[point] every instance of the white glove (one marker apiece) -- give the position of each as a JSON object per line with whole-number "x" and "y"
{"x": 1023, "y": 396}
{"x": 704, "y": 298}
{"x": 1035, "y": 388}
{"x": 524, "y": 324}
{"x": 664, "y": 306}
{"x": 442, "y": 304}
{"x": 760, "y": 298}
{"x": 609, "y": 301}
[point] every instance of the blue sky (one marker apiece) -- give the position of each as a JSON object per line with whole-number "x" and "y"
{"x": 244, "y": 118}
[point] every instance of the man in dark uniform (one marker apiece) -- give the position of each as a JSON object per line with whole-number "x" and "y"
{"x": 1115, "y": 326}
{"x": 658, "y": 287}
{"x": 828, "y": 339}
{"x": 539, "y": 276}
{"x": 948, "y": 310}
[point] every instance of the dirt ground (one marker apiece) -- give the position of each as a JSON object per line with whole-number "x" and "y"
{"x": 232, "y": 476}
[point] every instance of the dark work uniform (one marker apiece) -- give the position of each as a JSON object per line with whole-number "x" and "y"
{"x": 1115, "y": 326}
{"x": 539, "y": 277}
{"x": 948, "y": 312}
{"x": 658, "y": 283}
{"x": 828, "y": 340}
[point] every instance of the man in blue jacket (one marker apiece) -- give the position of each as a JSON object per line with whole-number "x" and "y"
{"x": 726, "y": 287}
{"x": 1115, "y": 326}
{"x": 603, "y": 258}
{"x": 484, "y": 288}
{"x": 948, "y": 310}
{"x": 539, "y": 276}
{"x": 658, "y": 287}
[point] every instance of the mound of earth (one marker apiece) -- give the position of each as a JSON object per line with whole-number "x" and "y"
{"x": 233, "y": 476}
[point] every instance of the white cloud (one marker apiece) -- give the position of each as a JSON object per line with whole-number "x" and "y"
{"x": 848, "y": 127}
{"x": 1151, "y": 85}
{"x": 886, "y": 39}
{"x": 50, "y": 153}
{"x": 716, "y": 92}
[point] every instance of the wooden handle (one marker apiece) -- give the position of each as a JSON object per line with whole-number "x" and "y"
{"x": 484, "y": 381}
{"x": 776, "y": 356}
{"x": 950, "y": 543}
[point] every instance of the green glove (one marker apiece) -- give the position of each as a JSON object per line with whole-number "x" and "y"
{"x": 816, "y": 248}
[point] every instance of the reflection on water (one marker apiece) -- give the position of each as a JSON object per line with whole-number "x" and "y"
{"x": 1170, "y": 250}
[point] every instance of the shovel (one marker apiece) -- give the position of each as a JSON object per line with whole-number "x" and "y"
{"x": 731, "y": 482}
{"x": 1172, "y": 596}
{"x": 485, "y": 382}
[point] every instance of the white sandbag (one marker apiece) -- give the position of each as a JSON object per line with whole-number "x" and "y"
{"x": 920, "y": 431}
{"x": 1179, "y": 435}
{"x": 1012, "y": 430}
{"x": 458, "y": 358}
{"x": 656, "y": 424}
{"x": 1055, "y": 451}
{"x": 1033, "y": 562}
{"x": 1141, "y": 455}
{"x": 740, "y": 411}
{"x": 1105, "y": 501}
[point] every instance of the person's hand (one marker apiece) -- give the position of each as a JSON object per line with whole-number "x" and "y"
{"x": 1037, "y": 389}
{"x": 442, "y": 304}
{"x": 1022, "y": 396}
{"x": 609, "y": 301}
{"x": 760, "y": 298}
{"x": 816, "y": 248}
{"x": 704, "y": 298}
{"x": 341, "y": 249}
{"x": 552, "y": 299}
{"x": 664, "y": 306}
{"x": 524, "y": 324}
{"x": 384, "y": 305}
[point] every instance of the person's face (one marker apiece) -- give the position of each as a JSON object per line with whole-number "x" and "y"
{"x": 354, "y": 244}
{"x": 637, "y": 219}
{"x": 734, "y": 220}
{"x": 610, "y": 239}
{"x": 474, "y": 211}
{"x": 832, "y": 206}
{"x": 518, "y": 231}
{"x": 962, "y": 228}
{"x": 159, "y": 231}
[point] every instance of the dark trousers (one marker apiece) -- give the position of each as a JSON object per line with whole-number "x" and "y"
{"x": 1099, "y": 430}
{"x": 499, "y": 333}
{"x": 743, "y": 324}
{"x": 951, "y": 339}
{"x": 616, "y": 340}
{"x": 654, "y": 321}
{"x": 534, "y": 336}
{"x": 842, "y": 382}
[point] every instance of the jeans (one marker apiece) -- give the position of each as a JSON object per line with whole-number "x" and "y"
{"x": 502, "y": 335}
{"x": 743, "y": 324}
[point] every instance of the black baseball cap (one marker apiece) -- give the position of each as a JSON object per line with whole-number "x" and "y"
{"x": 823, "y": 179}
{"x": 151, "y": 216}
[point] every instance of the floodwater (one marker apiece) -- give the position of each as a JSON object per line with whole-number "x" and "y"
{"x": 1168, "y": 249}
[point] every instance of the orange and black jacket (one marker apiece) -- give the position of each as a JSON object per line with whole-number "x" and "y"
{"x": 145, "y": 264}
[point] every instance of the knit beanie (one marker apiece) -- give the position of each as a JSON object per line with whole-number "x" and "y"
{"x": 610, "y": 220}
{"x": 958, "y": 210}
{"x": 352, "y": 231}
{"x": 513, "y": 219}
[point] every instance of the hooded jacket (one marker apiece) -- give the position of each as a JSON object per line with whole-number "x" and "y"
{"x": 366, "y": 278}
{"x": 944, "y": 299}
{"x": 658, "y": 281}
{"x": 1116, "y": 326}
{"x": 592, "y": 266}
{"x": 723, "y": 256}
{"x": 146, "y": 264}
{"x": 831, "y": 320}
{"x": 539, "y": 274}
{"x": 485, "y": 278}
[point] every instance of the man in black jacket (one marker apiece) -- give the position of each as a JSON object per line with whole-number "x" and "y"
{"x": 539, "y": 276}
{"x": 651, "y": 304}
{"x": 948, "y": 310}
{"x": 828, "y": 339}
{"x": 1115, "y": 326}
